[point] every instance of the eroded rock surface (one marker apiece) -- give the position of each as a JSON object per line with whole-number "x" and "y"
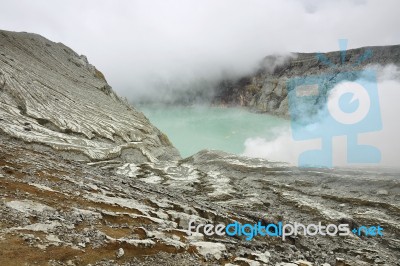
{"x": 51, "y": 95}
{"x": 266, "y": 90}
{"x": 86, "y": 179}
{"x": 60, "y": 212}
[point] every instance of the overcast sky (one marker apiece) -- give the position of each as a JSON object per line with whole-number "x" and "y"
{"x": 136, "y": 42}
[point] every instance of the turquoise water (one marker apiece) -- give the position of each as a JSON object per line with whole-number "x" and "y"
{"x": 192, "y": 129}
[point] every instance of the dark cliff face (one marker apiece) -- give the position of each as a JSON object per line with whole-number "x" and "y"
{"x": 266, "y": 90}
{"x": 50, "y": 95}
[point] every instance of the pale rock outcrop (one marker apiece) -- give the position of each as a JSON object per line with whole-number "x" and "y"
{"x": 50, "y": 95}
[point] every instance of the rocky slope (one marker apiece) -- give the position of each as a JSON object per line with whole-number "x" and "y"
{"x": 266, "y": 90}
{"x": 86, "y": 179}
{"x": 51, "y": 95}
{"x": 59, "y": 212}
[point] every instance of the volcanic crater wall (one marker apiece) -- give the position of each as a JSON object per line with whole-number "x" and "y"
{"x": 51, "y": 95}
{"x": 266, "y": 90}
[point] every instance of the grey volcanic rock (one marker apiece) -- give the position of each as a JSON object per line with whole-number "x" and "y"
{"x": 131, "y": 201}
{"x": 59, "y": 212}
{"x": 50, "y": 95}
{"x": 266, "y": 90}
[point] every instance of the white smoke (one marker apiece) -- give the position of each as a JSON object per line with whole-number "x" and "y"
{"x": 284, "y": 148}
{"x": 149, "y": 48}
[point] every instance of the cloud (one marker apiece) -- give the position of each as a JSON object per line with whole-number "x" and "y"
{"x": 284, "y": 148}
{"x": 144, "y": 46}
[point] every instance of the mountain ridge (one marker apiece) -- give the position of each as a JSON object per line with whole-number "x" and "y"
{"x": 266, "y": 90}
{"x": 50, "y": 90}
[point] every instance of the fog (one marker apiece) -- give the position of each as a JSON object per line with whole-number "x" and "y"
{"x": 284, "y": 148}
{"x": 153, "y": 47}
